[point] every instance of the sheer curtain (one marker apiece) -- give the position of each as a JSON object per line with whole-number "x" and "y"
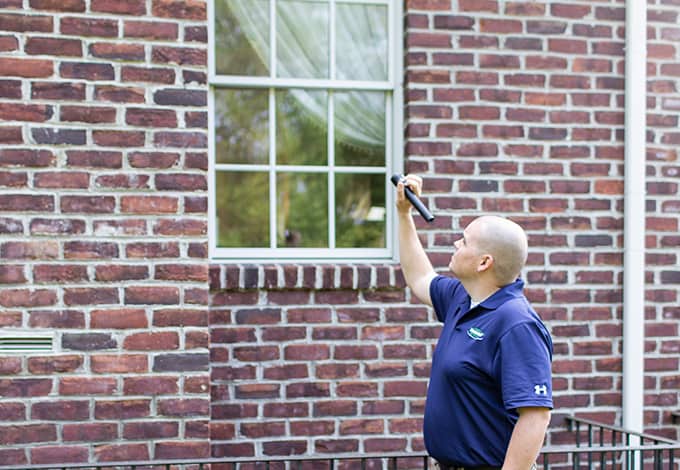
{"x": 303, "y": 52}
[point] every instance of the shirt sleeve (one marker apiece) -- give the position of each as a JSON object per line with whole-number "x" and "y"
{"x": 525, "y": 355}
{"x": 442, "y": 290}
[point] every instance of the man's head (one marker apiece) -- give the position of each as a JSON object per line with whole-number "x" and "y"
{"x": 490, "y": 246}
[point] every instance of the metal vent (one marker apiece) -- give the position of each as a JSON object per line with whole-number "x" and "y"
{"x": 25, "y": 342}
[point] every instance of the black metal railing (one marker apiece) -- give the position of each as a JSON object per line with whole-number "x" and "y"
{"x": 597, "y": 446}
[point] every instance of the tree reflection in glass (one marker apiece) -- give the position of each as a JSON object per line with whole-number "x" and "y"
{"x": 360, "y": 210}
{"x": 234, "y": 51}
{"x": 301, "y": 127}
{"x": 302, "y": 210}
{"x": 241, "y": 125}
{"x": 242, "y": 209}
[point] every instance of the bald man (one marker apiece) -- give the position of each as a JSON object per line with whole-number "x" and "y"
{"x": 490, "y": 391}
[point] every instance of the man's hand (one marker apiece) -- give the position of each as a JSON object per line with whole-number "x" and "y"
{"x": 415, "y": 183}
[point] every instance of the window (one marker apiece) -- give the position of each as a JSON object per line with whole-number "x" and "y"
{"x": 306, "y": 128}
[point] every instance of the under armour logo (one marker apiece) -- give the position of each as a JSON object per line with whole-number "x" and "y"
{"x": 541, "y": 389}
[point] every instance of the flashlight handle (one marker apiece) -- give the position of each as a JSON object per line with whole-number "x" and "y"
{"x": 413, "y": 199}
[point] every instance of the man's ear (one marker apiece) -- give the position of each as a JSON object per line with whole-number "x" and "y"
{"x": 485, "y": 263}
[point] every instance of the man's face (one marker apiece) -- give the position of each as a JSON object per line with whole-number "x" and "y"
{"x": 465, "y": 256}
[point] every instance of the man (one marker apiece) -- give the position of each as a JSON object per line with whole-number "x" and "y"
{"x": 490, "y": 395}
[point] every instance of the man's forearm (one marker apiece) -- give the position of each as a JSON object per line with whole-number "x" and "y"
{"x": 527, "y": 438}
{"x": 415, "y": 264}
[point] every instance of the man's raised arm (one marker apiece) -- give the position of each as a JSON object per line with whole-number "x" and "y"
{"x": 415, "y": 265}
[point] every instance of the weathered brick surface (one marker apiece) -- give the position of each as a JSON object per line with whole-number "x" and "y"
{"x": 84, "y": 117}
{"x": 511, "y": 107}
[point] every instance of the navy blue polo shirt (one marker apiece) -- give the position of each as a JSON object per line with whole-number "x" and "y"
{"x": 489, "y": 361}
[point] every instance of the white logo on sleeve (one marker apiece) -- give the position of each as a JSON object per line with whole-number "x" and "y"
{"x": 541, "y": 390}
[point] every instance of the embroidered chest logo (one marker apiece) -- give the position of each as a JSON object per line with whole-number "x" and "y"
{"x": 475, "y": 333}
{"x": 541, "y": 390}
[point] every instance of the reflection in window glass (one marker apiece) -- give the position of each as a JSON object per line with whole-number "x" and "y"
{"x": 242, "y": 37}
{"x": 242, "y": 205}
{"x": 361, "y": 43}
{"x": 360, "y": 210}
{"x": 302, "y": 210}
{"x": 302, "y": 47}
{"x": 301, "y": 127}
{"x": 241, "y": 126}
{"x": 359, "y": 128}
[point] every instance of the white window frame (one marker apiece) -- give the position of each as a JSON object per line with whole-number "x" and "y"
{"x": 393, "y": 145}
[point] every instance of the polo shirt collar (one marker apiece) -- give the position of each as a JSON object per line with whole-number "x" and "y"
{"x": 502, "y": 295}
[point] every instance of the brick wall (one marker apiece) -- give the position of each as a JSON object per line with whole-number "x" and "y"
{"x": 103, "y": 158}
{"x": 511, "y": 107}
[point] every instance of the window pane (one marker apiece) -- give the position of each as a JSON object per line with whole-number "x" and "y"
{"x": 360, "y": 128}
{"x": 360, "y": 211}
{"x": 241, "y": 126}
{"x": 242, "y": 37}
{"x": 361, "y": 42}
{"x": 242, "y": 203}
{"x": 302, "y": 210}
{"x": 301, "y": 127}
{"x": 302, "y": 46}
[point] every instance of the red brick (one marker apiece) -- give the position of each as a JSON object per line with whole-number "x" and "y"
{"x": 180, "y": 317}
{"x": 179, "y": 55}
{"x": 182, "y": 450}
{"x": 26, "y": 158}
{"x": 122, "y": 452}
{"x": 128, "y": 227}
{"x": 180, "y": 139}
{"x": 54, "y": 47}
{"x": 25, "y": 112}
{"x": 12, "y": 274}
{"x": 59, "y": 454}
{"x": 88, "y": 204}
{"x": 92, "y": 115}
{"x": 59, "y": 5}
{"x": 46, "y": 365}
{"x": 150, "y": 385}
{"x": 118, "y": 138}
{"x": 88, "y": 27}
{"x": 25, "y": 388}
{"x": 149, "y": 204}
{"x": 90, "y": 250}
{"x": 85, "y": 386}
{"x": 90, "y": 432}
{"x": 184, "y": 9}
{"x": 62, "y": 180}
{"x": 10, "y": 134}
{"x": 118, "y": 319}
{"x": 122, "y": 409}
{"x": 182, "y": 272}
{"x": 25, "y": 202}
{"x": 184, "y": 407}
{"x": 149, "y": 117}
{"x": 151, "y": 430}
{"x": 118, "y": 94}
{"x": 55, "y": 227}
{"x": 10, "y": 365}
{"x": 119, "y": 7}
{"x": 152, "y": 341}
{"x": 60, "y": 410}
{"x": 27, "y": 298}
{"x": 155, "y": 30}
{"x": 119, "y": 364}
{"x": 72, "y": 319}
{"x": 120, "y": 272}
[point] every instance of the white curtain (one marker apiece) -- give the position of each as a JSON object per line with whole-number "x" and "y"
{"x": 303, "y": 52}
